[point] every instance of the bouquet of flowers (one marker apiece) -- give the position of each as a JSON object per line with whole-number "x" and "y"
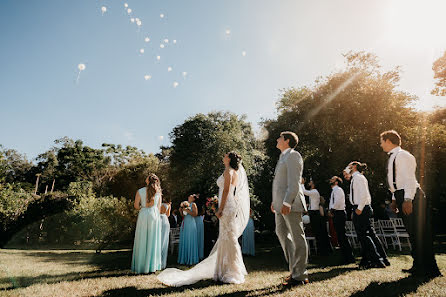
{"x": 185, "y": 205}
{"x": 212, "y": 205}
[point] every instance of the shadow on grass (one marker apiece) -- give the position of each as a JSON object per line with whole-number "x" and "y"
{"x": 111, "y": 264}
{"x": 133, "y": 291}
{"x": 399, "y": 287}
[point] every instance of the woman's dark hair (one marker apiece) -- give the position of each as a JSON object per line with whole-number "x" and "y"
{"x": 153, "y": 187}
{"x": 361, "y": 167}
{"x": 235, "y": 160}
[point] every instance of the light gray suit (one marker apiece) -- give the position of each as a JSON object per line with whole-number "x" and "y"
{"x": 289, "y": 228}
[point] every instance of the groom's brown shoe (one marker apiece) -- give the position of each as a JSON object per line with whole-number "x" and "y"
{"x": 287, "y": 279}
{"x": 294, "y": 282}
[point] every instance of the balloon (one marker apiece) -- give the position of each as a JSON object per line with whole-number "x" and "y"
{"x": 147, "y": 39}
{"x": 169, "y": 69}
{"x": 228, "y": 32}
{"x": 137, "y": 19}
{"x": 166, "y": 40}
{"x": 158, "y": 58}
{"x": 103, "y": 9}
{"x": 244, "y": 54}
{"x": 147, "y": 77}
{"x": 175, "y": 84}
{"x": 162, "y": 15}
{"x": 161, "y": 138}
{"x": 184, "y": 74}
{"x": 306, "y": 219}
{"x": 129, "y": 11}
{"x": 126, "y": 5}
{"x": 138, "y": 23}
{"x": 141, "y": 51}
{"x": 161, "y": 45}
{"x": 174, "y": 41}
{"x": 81, "y": 67}
{"x": 132, "y": 20}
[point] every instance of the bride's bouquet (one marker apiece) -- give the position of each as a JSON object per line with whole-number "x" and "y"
{"x": 185, "y": 205}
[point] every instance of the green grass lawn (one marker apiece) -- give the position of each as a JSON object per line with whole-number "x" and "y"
{"x": 84, "y": 273}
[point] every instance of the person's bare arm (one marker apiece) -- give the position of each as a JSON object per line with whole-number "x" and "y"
{"x": 137, "y": 203}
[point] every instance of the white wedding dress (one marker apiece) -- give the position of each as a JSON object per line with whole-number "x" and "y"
{"x": 225, "y": 262}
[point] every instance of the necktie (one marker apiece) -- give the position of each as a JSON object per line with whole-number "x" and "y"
{"x": 351, "y": 192}
{"x": 332, "y": 197}
{"x": 387, "y": 167}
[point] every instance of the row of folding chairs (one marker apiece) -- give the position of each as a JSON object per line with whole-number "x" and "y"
{"x": 390, "y": 232}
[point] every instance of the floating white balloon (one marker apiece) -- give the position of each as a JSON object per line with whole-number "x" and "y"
{"x": 147, "y": 39}
{"x": 81, "y": 67}
{"x": 174, "y": 41}
{"x": 166, "y": 40}
{"x": 244, "y": 53}
{"x": 161, "y": 138}
{"x": 103, "y": 9}
{"x": 158, "y": 58}
{"x": 228, "y": 32}
{"x": 169, "y": 69}
{"x": 126, "y": 5}
{"x": 129, "y": 11}
{"x": 132, "y": 20}
{"x": 184, "y": 74}
{"x": 147, "y": 77}
{"x": 162, "y": 15}
{"x": 161, "y": 45}
{"x": 138, "y": 23}
{"x": 175, "y": 84}
{"x": 141, "y": 51}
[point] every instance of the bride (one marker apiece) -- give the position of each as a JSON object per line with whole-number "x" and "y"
{"x": 225, "y": 262}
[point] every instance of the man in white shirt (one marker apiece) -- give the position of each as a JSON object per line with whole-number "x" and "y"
{"x": 414, "y": 208}
{"x": 316, "y": 221}
{"x": 337, "y": 212}
{"x": 373, "y": 254}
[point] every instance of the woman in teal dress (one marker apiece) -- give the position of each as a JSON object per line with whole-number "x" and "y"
{"x": 147, "y": 246}
{"x": 165, "y": 229}
{"x": 188, "y": 250}
{"x": 200, "y": 233}
{"x": 248, "y": 243}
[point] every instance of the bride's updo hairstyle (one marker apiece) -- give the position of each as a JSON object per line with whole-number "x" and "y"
{"x": 152, "y": 187}
{"x": 235, "y": 160}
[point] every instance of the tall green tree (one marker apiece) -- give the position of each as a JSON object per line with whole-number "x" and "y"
{"x": 339, "y": 120}
{"x": 198, "y": 147}
{"x": 439, "y": 68}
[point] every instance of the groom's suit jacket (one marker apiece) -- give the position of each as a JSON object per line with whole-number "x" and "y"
{"x": 286, "y": 184}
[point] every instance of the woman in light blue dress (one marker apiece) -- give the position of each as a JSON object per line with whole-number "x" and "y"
{"x": 200, "y": 234}
{"x": 165, "y": 229}
{"x": 188, "y": 249}
{"x": 248, "y": 242}
{"x": 147, "y": 246}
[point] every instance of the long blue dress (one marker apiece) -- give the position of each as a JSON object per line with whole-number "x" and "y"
{"x": 188, "y": 249}
{"x": 165, "y": 229}
{"x": 147, "y": 246}
{"x": 248, "y": 243}
{"x": 200, "y": 236}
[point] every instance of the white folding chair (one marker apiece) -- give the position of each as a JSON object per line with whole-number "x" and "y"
{"x": 350, "y": 232}
{"x": 379, "y": 233}
{"x": 174, "y": 238}
{"x": 311, "y": 239}
{"x": 389, "y": 232}
{"x": 401, "y": 230}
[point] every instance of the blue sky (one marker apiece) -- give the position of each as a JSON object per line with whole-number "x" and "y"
{"x": 287, "y": 44}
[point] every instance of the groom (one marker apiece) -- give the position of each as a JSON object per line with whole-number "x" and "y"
{"x": 288, "y": 204}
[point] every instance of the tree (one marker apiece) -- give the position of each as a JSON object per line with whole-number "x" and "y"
{"x": 439, "y": 68}
{"x": 14, "y": 167}
{"x": 339, "y": 120}
{"x": 198, "y": 146}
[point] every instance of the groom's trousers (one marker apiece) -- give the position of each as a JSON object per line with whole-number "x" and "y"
{"x": 290, "y": 231}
